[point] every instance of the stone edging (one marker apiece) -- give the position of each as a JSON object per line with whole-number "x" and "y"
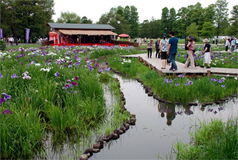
{"x": 98, "y": 145}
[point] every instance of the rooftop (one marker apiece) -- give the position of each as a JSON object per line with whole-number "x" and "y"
{"x": 79, "y": 26}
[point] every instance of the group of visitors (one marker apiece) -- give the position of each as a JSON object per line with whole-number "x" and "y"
{"x": 166, "y": 49}
{"x": 9, "y": 39}
{"x": 230, "y": 42}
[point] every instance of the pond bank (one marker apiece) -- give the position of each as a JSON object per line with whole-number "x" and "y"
{"x": 158, "y": 125}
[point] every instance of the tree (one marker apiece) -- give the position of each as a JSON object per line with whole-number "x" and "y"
{"x": 124, "y": 20}
{"x": 234, "y": 13}
{"x": 134, "y": 22}
{"x": 192, "y": 30}
{"x": 232, "y": 30}
{"x": 208, "y": 30}
{"x": 67, "y": 17}
{"x": 209, "y": 13}
{"x": 172, "y": 19}
{"x": 165, "y": 20}
{"x": 221, "y": 16}
{"x": 32, "y": 14}
{"x": 85, "y": 20}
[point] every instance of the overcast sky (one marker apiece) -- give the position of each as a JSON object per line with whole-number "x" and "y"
{"x": 93, "y": 9}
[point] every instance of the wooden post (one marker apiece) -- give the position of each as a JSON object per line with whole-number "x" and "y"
{"x": 145, "y": 62}
{"x": 160, "y": 73}
{"x": 209, "y": 73}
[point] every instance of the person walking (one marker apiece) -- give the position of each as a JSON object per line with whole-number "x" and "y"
{"x": 11, "y": 40}
{"x": 226, "y": 44}
{"x": 157, "y": 47}
{"x": 172, "y": 50}
{"x": 191, "y": 47}
{"x": 206, "y": 54}
{"x": 163, "y": 51}
{"x": 149, "y": 48}
{"x": 233, "y": 44}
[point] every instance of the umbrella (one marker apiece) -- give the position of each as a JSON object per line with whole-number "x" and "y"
{"x": 123, "y": 35}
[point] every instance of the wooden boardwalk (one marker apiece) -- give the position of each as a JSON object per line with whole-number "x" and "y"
{"x": 156, "y": 64}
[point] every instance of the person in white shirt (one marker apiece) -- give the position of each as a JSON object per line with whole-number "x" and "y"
{"x": 233, "y": 43}
{"x": 227, "y": 43}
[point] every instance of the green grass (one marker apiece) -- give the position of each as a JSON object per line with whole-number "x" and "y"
{"x": 177, "y": 89}
{"x": 216, "y": 140}
{"x": 69, "y": 104}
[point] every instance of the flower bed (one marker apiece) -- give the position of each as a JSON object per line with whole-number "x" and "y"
{"x": 178, "y": 89}
{"x": 48, "y": 88}
{"x": 219, "y": 59}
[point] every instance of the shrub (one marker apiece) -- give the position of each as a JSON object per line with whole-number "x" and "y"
{"x": 2, "y": 45}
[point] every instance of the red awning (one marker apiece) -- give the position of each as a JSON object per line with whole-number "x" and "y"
{"x": 87, "y": 32}
{"x": 53, "y": 33}
{"x": 123, "y": 35}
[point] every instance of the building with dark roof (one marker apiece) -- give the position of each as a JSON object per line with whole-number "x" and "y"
{"x": 64, "y": 33}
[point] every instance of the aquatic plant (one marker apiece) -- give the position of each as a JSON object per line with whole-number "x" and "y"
{"x": 214, "y": 140}
{"x": 180, "y": 89}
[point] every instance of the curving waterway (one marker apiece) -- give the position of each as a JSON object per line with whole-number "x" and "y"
{"x": 159, "y": 125}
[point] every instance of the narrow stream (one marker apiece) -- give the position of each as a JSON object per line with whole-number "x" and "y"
{"x": 159, "y": 126}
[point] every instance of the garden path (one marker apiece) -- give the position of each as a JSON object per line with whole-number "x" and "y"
{"x": 181, "y": 70}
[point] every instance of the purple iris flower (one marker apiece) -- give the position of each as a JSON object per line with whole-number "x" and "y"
{"x": 223, "y": 86}
{"x": 6, "y": 96}
{"x": 181, "y": 76}
{"x": 57, "y": 74}
{"x": 177, "y": 84}
{"x": 1, "y": 75}
{"x": 170, "y": 81}
{"x": 166, "y": 80}
{"x": 96, "y": 65}
{"x": 76, "y": 78}
{"x": 6, "y": 111}
{"x": 14, "y": 75}
{"x": 213, "y": 79}
{"x": 90, "y": 68}
{"x": 100, "y": 70}
{"x": 188, "y": 83}
{"x": 2, "y": 100}
{"x": 107, "y": 69}
{"x": 74, "y": 83}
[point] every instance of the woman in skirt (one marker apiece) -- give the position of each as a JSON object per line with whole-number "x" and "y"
{"x": 206, "y": 53}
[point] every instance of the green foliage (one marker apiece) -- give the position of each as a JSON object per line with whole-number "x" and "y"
{"x": 26, "y": 14}
{"x": 221, "y": 16}
{"x": 104, "y": 77}
{"x": 222, "y": 60}
{"x": 70, "y": 103}
{"x": 2, "y": 45}
{"x": 192, "y": 30}
{"x": 208, "y": 30}
{"x": 177, "y": 89}
{"x": 215, "y": 140}
{"x": 21, "y": 133}
{"x": 85, "y": 20}
{"x": 68, "y": 17}
{"x": 232, "y": 30}
{"x": 125, "y": 20}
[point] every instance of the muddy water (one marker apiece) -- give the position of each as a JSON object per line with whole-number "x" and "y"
{"x": 158, "y": 125}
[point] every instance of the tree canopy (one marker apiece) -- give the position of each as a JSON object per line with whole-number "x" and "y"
{"x": 68, "y": 17}
{"x": 19, "y": 15}
{"x": 193, "y": 19}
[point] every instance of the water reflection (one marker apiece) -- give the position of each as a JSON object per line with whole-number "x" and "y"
{"x": 159, "y": 125}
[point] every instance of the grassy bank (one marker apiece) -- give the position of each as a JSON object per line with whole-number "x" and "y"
{"x": 215, "y": 140}
{"x": 49, "y": 88}
{"x": 179, "y": 89}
